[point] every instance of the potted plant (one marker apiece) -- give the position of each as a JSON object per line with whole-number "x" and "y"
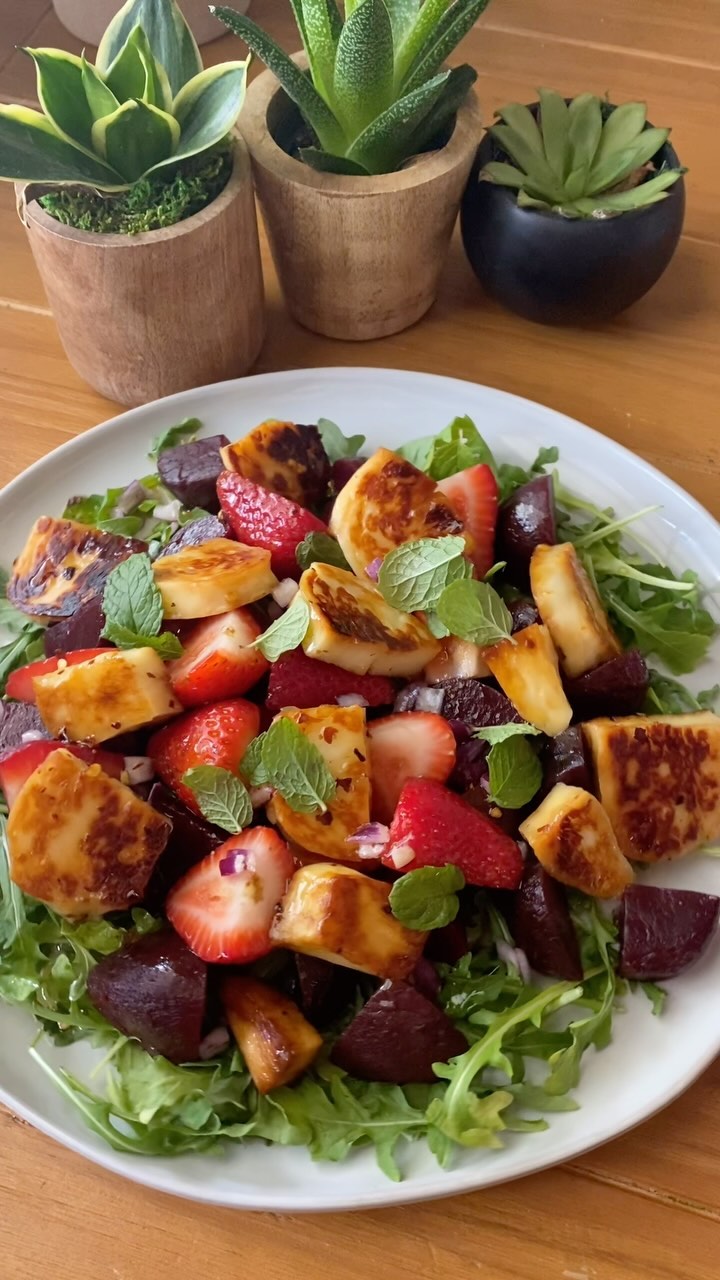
{"x": 87, "y": 19}
{"x": 573, "y": 209}
{"x": 139, "y": 207}
{"x": 361, "y": 160}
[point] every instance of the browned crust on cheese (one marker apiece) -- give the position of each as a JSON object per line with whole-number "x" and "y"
{"x": 52, "y": 543}
{"x": 350, "y": 619}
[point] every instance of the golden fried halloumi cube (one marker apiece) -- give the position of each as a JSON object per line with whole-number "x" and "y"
{"x": 339, "y": 735}
{"x": 339, "y": 914}
{"x": 116, "y": 692}
{"x": 286, "y": 457}
{"x": 352, "y": 626}
{"x": 571, "y": 609}
{"x": 387, "y": 502}
{"x": 526, "y": 668}
{"x": 63, "y": 565}
{"x": 80, "y": 841}
{"x": 276, "y": 1041}
{"x": 571, "y": 835}
{"x": 215, "y": 577}
{"x": 659, "y": 780}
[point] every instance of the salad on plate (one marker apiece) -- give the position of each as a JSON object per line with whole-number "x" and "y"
{"x": 329, "y": 781}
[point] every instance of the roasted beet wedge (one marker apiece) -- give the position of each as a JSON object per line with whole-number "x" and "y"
{"x": 343, "y": 470}
{"x": 476, "y": 703}
{"x": 396, "y": 1037}
{"x": 524, "y": 614}
{"x": 206, "y": 529}
{"x": 449, "y": 944}
{"x": 191, "y": 840}
{"x": 615, "y": 688}
{"x": 566, "y": 759}
{"x": 153, "y": 990}
{"x": 663, "y": 931}
{"x": 525, "y": 521}
{"x": 17, "y": 719}
{"x": 542, "y": 925}
{"x": 323, "y": 989}
{"x": 190, "y": 471}
{"x": 82, "y": 631}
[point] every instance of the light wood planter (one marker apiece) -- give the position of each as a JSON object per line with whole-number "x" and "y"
{"x": 357, "y": 257}
{"x": 144, "y": 316}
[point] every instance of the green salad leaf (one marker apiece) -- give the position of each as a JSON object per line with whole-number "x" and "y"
{"x": 320, "y": 547}
{"x": 515, "y": 772}
{"x": 427, "y": 898}
{"x": 494, "y": 733}
{"x": 221, "y": 797}
{"x": 295, "y": 768}
{"x": 133, "y": 609}
{"x": 251, "y": 766}
{"x": 666, "y": 696}
{"x": 338, "y": 446}
{"x": 26, "y": 643}
{"x": 286, "y": 632}
{"x": 182, "y": 433}
{"x": 414, "y": 575}
{"x": 474, "y": 611}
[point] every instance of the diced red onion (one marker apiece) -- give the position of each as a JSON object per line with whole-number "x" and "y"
{"x": 131, "y": 498}
{"x": 514, "y": 957}
{"x": 373, "y": 569}
{"x": 169, "y": 511}
{"x": 352, "y": 700}
{"x": 139, "y": 769}
{"x": 32, "y": 735}
{"x": 401, "y": 856}
{"x": 284, "y": 593}
{"x": 215, "y": 1043}
{"x": 430, "y": 699}
{"x": 260, "y": 796}
{"x": 370, "y": 833}
{"x": 370, "y": 851}
{"x": 233, "y": 863}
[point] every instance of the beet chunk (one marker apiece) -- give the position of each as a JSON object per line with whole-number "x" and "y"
{"x": 663, "y": 931}
{"x": 524, "y": 614}
{"x": 17, "y": 718}
{"x": 190, "y": 471}
{"x": 343, "y": 470}
{"x": 617, "y": 687}
{"x": 81, "y": 631}
{"x": 449, "y": 944}
{"x": 194, "y": 534}
{"x": 471, "y": 767}
{"x": 525, "y": 520}
{"x": 323, "y": 989}
{"x": 396, "y": 1037}
{"x": 542, "y": 925}
{"x": 154, "y": 990}
{"x": 191, "y": 840}
{"x": 475, "y": 702}
{"x": 565, "y": 759}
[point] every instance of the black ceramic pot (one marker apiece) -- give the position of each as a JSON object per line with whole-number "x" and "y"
{"x": 558, "y": 270}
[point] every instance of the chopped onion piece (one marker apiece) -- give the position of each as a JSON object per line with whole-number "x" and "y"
{"x": 369, "y": 850}
{"x": 370, "y": 833}
{"x": 514, "y": 957}
{"x": 429, "y": 699}
{"x": 139, "y": 769}
{"x": 401, "y": 856}
{"x": 260, "y": 796}
{"x": 238, "y": 860}
{"x": 131, "y": 498}
{"x": 284, "y": 593}
{"x": 215, "y": 1043}
{"x": 169, "y": 511}
{"x": 352, "y": 700}
{"x": 373, "y": 569}
{"x": 32, "y": 735}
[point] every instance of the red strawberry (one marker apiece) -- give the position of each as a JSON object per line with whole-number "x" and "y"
{"x": 224, "y": 907}
{"x": 20, "y": 683}
{"x": 473, "y": 497}
{"x": 15, "y": 769}
{"x": 410, "y": 744}
{"x": 299, "y": 681}
{"x": 438, "y": 827}
{"x": 260, "y": 518}
{"x": 218, "y": 734}
{"x": 216, "y": 661}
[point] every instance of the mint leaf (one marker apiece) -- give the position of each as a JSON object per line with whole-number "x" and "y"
{"x": 132, "y": 599}
{"x": 167, "y": 645}
{"x": 221, "y": 797}
{"x": 320, "y": 547}
{"x": 182, "y": 433}
{"x": 338, "y": 446}
{"x": 474, "y": 611}
{"x": 515, "y": 773}
{"x": 435, "y": 626}
{"x": 494, "y": 733}
{"x": 296, "y": 769}
{"x": 287, "y": 632}
{"x": 251, "y": 766}
{"x": 427, "y": 898}
{"x": 414, "y": 575}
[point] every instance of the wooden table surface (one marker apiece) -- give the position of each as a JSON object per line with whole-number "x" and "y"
{"x": 646, "y": 1207}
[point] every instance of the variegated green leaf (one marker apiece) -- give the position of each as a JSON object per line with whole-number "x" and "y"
{"x": 135, "y": 138}
{"x": 363, "y": 83}
{"x": 100, "y": 99}
{"x": 127, "y": 76}
{"x": 207, "y": 108}
{"x": 420, "y": 36}
{"x": 456, "y": 89}
{"x": 402, "y": 14}
{"x": 61, "y": 93}
{"x": 554, "y": 125}
{"x": 383, "y": 144}
{"x": 32, "y": 150}
{"x": 620, "y": 164}
{"x": 157, "y": 90}
{"x": 320, "y": 44}
{"x": 169, "y": 37}
{"x": 447, "y": 35}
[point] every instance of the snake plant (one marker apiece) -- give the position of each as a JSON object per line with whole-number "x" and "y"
{"x": 144, "y": 107}
{"x": 377, "y": 91}
{"x": 582, "y": 159}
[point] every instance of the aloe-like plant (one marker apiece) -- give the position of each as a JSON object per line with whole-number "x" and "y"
{"x": 144, "y": 107}
{"x": 378, "y": 91}
{"x": 582, "y": 158}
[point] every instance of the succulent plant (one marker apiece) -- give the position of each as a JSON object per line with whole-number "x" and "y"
{"x": 583, "y": 158}
{"x": 378, "y": 91}
{"x": 145, "y": 106}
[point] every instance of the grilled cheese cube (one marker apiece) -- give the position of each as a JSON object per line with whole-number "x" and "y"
{"x": 286, "y": 457}
{"x": 339, "y": 735}
{"x": 63, "y": 565}
{"x": 571, "y": 609}
{"x": 457, "y": 659}
{"x": 341, "y": 915}
{"x": 80, "y": 841}
{"x": 526, "y": 668}
{"x": 215, "y": 577}
{"x": 352, "y": 626}
{"x": 276, "y": 1041}
{"x": 114, "y": 693}
{"x": 387, "y": 502}
{"x": 659, "y": 780}
{"x": 571, "y": 835}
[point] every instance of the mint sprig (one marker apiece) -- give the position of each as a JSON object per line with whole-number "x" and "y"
{"x": 427, "y": 898}
{"x": 320, "y": 548}
{"x": 221, "y": 797}
{"x": 494, "y": 733}
{"x": 287, "y": 632}
{"x": 474, "y": 611}
{"x": 291, "y": 764}
{"x": 133, "y": 609}
{"x": 515, "y": 772}
{"x": 414, "y": 575}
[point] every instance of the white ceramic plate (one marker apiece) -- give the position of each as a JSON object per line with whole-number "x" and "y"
{"x": 651, "y": 1060}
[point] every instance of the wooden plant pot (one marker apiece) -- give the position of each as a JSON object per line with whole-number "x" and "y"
{"x": 357, "y": 257}
{"x": 143, "y": 316}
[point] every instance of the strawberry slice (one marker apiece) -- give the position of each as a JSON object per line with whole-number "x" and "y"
{"x": 473, "y": 496}
{"x": 216, "y": 661}
{"x": 224, "y": 906}
{"x": 20, "y": 683}
{"x": 299, "y": 681}
{"x": 218, "y": 734}
{"x": 260, "y": 518}
{"x": 16, "y": 768}
{"x": 410, "y": 744}
{"x": 436, "y": 827}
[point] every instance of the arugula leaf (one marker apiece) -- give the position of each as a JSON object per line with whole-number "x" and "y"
{"x": 515, "y": 772}
{"x": 511, "y": 477}
{"x": 251, "y": 766}
{"x": 287, "y": 632}
{"x": 414, "y": 575}
{"x": 338, "y": 446}
{"x": 11, "y": 619}
{"x": 28, "y": 646}
{"x": 221, "y": 797}
{"x": 669, "y": 697}
{"x": 655, "y": 994}
{"x": 598, "y": 950}
{"x": 182, "y": 433}
{"x": 474, "y": 611}
{"x": 659, "y": 630}
{"x": 320, "y": 547}
{"x": 494, "y": 733}
{"x": 427, "y": 898}
{"x": 295, "y": 768}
